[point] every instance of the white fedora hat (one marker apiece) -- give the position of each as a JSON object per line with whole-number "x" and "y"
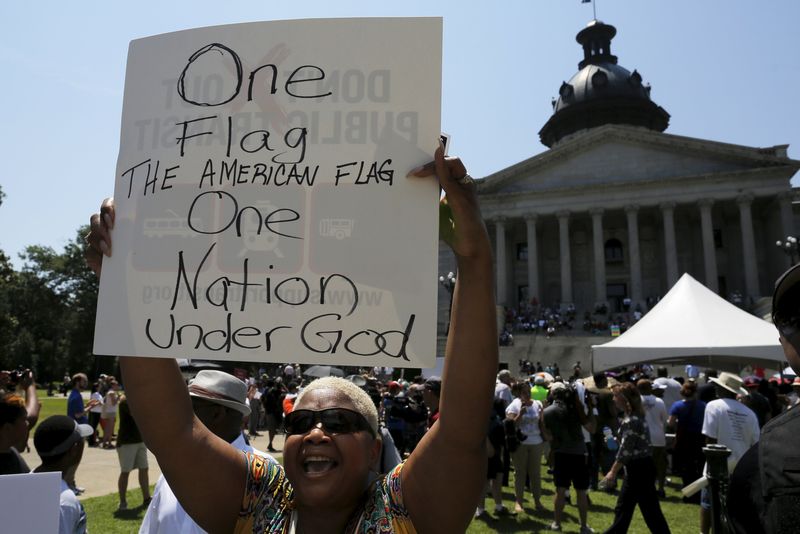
{"x": 220, "y": 388}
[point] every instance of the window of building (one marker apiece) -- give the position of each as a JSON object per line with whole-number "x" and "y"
{"x": 614, "y": 253}
{"x": 522, "y": 251}
{"x": 717, "y": 238}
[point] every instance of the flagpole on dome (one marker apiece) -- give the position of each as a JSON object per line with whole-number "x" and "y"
{"x": 594, "y": 7}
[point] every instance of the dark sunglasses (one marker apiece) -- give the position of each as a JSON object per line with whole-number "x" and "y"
{"x": 334, "y": 420}
{"x": 786, "y": 325}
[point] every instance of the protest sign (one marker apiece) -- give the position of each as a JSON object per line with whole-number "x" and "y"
{"x": 263, "y": 211}
{"x": 30, "y": 502}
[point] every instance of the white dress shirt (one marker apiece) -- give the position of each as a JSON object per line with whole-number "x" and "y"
{"x": 165, "y": 515}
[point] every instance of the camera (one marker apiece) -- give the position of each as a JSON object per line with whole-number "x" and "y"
{"x": 16, "y": 376}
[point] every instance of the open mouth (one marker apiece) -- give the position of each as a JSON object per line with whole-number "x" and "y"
{"x": 317, "y": 465}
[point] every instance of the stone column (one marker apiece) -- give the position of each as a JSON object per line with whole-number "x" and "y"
{"x": 599, "y": 256}
{"x": 634, "y": 255}
{"x": 709, "y": 251}
{"x": 670, "y": 250}
{"x": 787, "y": 220}
{"x": 500, "y": 257}
{"x": 566, "y": 262}
{"x": 533, "y": 258}
{"x": 748, "y": 246}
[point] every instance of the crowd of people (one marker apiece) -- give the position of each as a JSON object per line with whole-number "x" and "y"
{"x": 533, "y": 318}
{"x": 587, "y": 432}
{"x": 591, "y": 431}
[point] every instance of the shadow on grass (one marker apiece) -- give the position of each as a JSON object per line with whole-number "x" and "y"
{"x": 513, "y": 523}
{"x": 135, "y": 513}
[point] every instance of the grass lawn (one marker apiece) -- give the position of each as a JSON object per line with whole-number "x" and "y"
{"x": 102, "y": 515}
{"x": 682, "y": 518}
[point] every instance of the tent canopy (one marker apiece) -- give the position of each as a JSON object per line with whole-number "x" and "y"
{"x": 692, "y": 324}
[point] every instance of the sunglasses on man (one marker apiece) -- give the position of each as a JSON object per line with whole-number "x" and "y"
{"x": 787, "y": 326}
{"x": 333, "y": 420}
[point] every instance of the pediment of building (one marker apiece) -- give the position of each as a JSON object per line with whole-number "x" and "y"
{"x": 618, "y": 155}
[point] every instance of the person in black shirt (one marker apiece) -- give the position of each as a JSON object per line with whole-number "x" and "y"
{"x": 563, "y": 420}
{"x": 708, "y": 391}
{"x": 272, "y": 401}
{"x": 764, "y": 490}
{"x": 132, "y": 455}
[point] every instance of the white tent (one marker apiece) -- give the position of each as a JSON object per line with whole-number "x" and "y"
{"x": 692, "y": 324}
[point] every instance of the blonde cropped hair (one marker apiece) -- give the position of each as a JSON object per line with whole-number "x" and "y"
{"x": 361, "y": 401}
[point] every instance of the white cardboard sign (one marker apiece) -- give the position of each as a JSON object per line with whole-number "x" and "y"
{"x": 30, "y": 502}
{"x": 263, "y": 209}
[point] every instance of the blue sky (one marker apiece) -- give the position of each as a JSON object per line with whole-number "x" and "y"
{"x": 726, "y": 71}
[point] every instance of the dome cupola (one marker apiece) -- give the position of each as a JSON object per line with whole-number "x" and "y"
{"x": 602, "y": 92}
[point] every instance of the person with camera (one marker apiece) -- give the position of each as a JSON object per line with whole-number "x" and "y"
{"x": 527, "y": 458}
{"x": 563, "y": 422}
{"x": 20, "y": 384}
{"x": 636, "y": 455}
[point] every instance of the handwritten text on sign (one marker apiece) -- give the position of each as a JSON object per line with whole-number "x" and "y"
{"x": 263, "y": 209}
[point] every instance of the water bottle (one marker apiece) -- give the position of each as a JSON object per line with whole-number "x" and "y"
{"x": 611, "y": 441}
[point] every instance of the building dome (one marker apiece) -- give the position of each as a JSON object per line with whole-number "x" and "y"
{"x": 602, "y": 92}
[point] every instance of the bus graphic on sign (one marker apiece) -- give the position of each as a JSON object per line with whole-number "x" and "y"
{"x": 168, "y": 226}
{"x": 338, "y": 228}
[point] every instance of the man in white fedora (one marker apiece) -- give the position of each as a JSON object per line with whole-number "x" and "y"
{"x": 727, "y": 422}
{"x": 219, "y": 402}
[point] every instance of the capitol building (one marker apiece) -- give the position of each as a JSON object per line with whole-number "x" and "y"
{"x": 616, "y": 210}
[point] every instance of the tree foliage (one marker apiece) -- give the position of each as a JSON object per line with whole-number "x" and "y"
{"x": 47, "y": 311}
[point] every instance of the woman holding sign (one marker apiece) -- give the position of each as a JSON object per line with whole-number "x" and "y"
{"x": 326, "y": 482}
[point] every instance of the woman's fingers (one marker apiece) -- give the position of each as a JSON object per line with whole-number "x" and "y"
{"x": 98, "y": 239}
{"x": 460, "y": 223}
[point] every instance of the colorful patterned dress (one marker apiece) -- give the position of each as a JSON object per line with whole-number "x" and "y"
{"x": 267, "y": 504}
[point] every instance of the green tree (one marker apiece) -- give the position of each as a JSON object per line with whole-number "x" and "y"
{"x": 59, "y": 308}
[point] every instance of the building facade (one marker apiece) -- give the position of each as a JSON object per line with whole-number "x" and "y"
{"x": 616, "y": 210}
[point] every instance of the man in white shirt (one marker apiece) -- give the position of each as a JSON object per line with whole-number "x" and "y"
{"x": 671, "y": 387}
{"x": 730, "y": 423}
{"x": 502, "y": 388}
{"x": 219, "y": 401}
{"x": 656, "y": 417}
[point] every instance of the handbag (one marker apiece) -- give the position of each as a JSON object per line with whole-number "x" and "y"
{"x": 514, "y": 437}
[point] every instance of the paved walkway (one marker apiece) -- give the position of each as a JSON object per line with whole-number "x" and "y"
{"x": 99, "y": 467}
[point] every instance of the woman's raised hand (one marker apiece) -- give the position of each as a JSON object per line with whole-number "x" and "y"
{"x": 99, "y": 237}
{"x": 460, "y": 222}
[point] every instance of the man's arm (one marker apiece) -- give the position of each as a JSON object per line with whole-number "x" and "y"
{"x": 446, "y": 472}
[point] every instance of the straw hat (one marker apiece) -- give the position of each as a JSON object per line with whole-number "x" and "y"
{"x": 220, "y": 388}
{"x": 731, "y": 382}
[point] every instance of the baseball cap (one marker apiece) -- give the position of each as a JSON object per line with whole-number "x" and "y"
{"x": 57, "y": 434}
{"x": 751, "y": 382}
